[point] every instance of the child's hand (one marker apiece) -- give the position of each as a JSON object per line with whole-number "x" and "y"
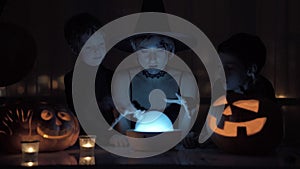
{"x": 119, "y": 140}
{"x": 191, "y": 140}
{"x": 180, "y": 101}
{"x": 138, "y": 114}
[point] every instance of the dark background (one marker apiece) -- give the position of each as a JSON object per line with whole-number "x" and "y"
{"x": 277, "y": 22}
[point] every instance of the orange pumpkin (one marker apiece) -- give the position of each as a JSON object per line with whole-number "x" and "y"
{"x": 249, "y": 125}
{"x": 54, "y": 126}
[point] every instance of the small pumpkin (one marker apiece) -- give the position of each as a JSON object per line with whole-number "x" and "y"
{"x": 54, "y": 126}
{"x": 249, "y": 125}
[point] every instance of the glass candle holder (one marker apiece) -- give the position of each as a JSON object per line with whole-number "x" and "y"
{"x": 29, "y": 164}
{"x": 86, "y": 158}
{"x": 30, "y": 151}
{"x": 87, "y": 142}
{"x": 30, "y": 147}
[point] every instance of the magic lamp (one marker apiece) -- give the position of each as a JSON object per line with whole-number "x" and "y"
{"x": 154, "y": 121}
{"x": 148, "y": 126}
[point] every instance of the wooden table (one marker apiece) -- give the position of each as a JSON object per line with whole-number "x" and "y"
{"x": 179, "y": 157}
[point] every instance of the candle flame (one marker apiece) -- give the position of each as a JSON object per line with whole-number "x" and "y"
{"x": 87, "y": 158}
{"x": 30, "y": 150}
{"x": 30, "y": 164}
{"x": 87, "y": 145}
{"x": 281, "y": 96}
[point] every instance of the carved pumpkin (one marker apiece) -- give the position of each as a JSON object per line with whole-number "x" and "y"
{"x": 249, "y": 125}
{"x": 54, "y": 126}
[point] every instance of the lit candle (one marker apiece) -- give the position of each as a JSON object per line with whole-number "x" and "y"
{"x": 281, "y": 96}
{"x": 29, "y": 164}
{"x": 87, "y": 142}
{"x": 30, "y": 151}
{"x": 30, "y": 147}
{"x": 88, "y": 145}
{"x": 88, "y": 160}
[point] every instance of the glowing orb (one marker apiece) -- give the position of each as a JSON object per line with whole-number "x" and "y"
{"x": 154, "y": 121}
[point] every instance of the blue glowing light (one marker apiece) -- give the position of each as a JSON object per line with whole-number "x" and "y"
{"x": 154, "y": 121}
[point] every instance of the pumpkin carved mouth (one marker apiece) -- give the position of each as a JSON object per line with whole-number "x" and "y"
{"x": 230, "y": 128}
{"x": 59, "y": 135}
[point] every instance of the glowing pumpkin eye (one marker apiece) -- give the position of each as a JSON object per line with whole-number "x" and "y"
{"x": 46, "y": 115}
{"x": 251, "y": 105}
{"x": 64, "y": 116}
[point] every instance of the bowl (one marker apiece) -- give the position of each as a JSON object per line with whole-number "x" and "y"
{"x": 153, "y": 141}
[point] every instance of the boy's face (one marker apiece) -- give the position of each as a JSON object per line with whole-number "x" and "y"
{"x": 235, "y": 71}
{"x": 95, "y": 50}
{"x": 151, "y": 55}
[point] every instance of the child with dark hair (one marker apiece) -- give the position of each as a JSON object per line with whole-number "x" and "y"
{"x": 243, "y": 57}
{"x": 153, "y": 71}
{"x": 78, "y": 29}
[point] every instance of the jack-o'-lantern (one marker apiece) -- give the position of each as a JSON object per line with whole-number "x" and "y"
{"x": 57, "y": 126}
{"x": 54, "y": 126}
{"x": 248, "y": 125}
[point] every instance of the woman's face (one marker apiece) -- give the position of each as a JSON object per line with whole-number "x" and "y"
{"x": 151, "y": 55}
{"x": 235, "y": 71}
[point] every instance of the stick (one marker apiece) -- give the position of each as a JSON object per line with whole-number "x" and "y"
{"x": 180, "y": 101}
{"x": 118, "y": 119}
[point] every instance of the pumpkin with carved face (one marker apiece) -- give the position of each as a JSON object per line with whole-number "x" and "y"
{"x": 57, "y": 127}
{"x": 54, "y": 126}
{"x": 248, "y": 125}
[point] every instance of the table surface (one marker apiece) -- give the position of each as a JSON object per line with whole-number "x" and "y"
{"x": 179, "y": 157}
